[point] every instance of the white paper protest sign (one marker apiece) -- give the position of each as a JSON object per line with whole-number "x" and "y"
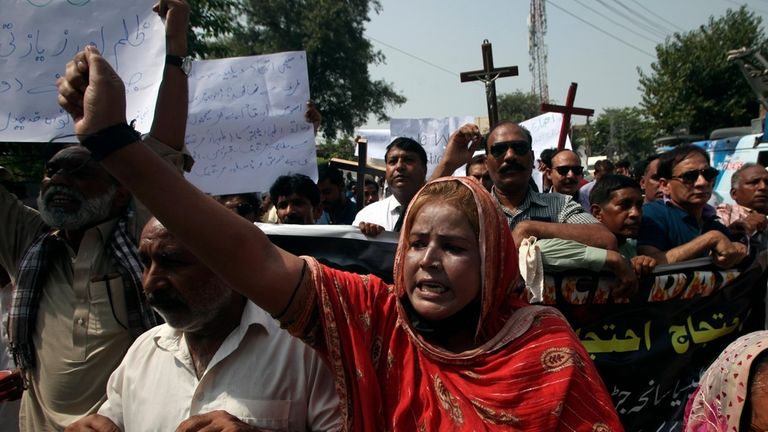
{"x": 378, "y": 140}
{"x": 38, "y": 38}
{"x": 545, "y": 131}
{"x": 246, "y": 122}
{"x": 431, "y": 133}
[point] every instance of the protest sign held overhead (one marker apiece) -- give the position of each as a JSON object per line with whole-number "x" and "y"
{"x": 246, "y": 122}
{"x": 37, "y": 39}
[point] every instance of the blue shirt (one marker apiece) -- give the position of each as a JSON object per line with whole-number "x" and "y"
{"x": 666, "y": 226}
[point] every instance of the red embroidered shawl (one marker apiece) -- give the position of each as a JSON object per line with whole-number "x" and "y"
{"x": 530, "y": 373}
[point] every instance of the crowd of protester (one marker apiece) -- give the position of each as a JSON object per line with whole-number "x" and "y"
{"x": 138, "y": 303}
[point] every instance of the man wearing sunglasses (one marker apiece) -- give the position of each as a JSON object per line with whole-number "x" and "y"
{"x": 510, "y": 165}
{"x": 566, "y": 173}
{"x": 684, "y": 226}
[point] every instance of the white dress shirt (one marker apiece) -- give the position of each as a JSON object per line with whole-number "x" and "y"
{"x": 384, "y": 212}
{"x": 260, "y": 374}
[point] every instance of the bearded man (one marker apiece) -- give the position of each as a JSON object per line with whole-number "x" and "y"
{"x": 78, "y": 303}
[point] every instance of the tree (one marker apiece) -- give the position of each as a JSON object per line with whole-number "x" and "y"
{"x": 338, "y": 54}
{"x": 693, "y": 85}
{"x": 518, "y": 106}
{"x": 622, "y": 133}
{"x": 210, "y": 22}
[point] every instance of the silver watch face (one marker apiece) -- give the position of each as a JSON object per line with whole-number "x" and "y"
{"x": 186, "y": 65}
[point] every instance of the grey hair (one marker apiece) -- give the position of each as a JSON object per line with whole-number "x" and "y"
{"x": 736, "y": 178}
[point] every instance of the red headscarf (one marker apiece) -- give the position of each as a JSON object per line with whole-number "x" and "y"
{"x": 529, "y": 372}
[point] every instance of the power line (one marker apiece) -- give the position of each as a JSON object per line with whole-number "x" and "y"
{"x": 650, "y": 22}
{"x": 603, "y": 31}
{"x": 631, "y": 20}
{"x": 762, "y": 11}
{"x": 616, "y": 23}
{"x": 657, "y": 15}
{"x": 415, "y": 57}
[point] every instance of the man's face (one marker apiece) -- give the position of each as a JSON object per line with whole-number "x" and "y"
{"x": 566, "y": 173}
{"x": 331, "y": 195}
{"x": 599, "y": 173}
{"x": 650, "y": 182}
{"x": 76, "y": 192}
{"x": 752, "y": 190}
{"x": 623, "y": 171}
{"x": 622, "y": 214}
{"x": 688, "y": 188}
{"x": 371, "y": 194}
{"x": 509, "y": 169}
{"x": 296, "y": 209}
{"x": 187, "y": 294}
{"x": 480, "y": 172}
{"x": 405, "y": 173}
{"x": 241, "y": 206}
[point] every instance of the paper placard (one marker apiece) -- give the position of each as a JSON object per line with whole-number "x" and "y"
{"x": 246, "y": 122}
{"x": 39, "y": 37}
{"x": 378, "y": 140}
{"x": 431, "y": 133}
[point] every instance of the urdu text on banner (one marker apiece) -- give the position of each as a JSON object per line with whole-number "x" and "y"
{"x": 39, "y": 37}
{"x": 246, "y": 122}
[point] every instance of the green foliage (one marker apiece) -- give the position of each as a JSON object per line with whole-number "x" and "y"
{"x": 24, "y": 160}
{"x": 338, "y": 54}
{"x": 622, "y": 133}
{"x": 693, "y": 85}
{"x": 210, "y": 21}
{"x": 519, "y": 106}
{"x": 343, "y": 148}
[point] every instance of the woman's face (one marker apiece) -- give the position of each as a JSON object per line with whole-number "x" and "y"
{"x": 759, "y": 395}
{"x": 442, "y": 262}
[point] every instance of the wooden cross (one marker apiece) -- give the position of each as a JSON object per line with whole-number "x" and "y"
{"x": 488, "y": 76}
{"x": 567, "y": 111}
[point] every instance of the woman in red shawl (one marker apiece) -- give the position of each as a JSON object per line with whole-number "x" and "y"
{"x": 446, "y": 348}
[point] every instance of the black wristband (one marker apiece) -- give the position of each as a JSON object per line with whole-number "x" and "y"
{"x": 106, "y": 141}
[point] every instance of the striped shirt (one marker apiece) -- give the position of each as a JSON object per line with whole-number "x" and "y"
{"x": 546, "y": 207}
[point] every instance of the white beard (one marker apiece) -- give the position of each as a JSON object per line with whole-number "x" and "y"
{"x": 91, "y": 211}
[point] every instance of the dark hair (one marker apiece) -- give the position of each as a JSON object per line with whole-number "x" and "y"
{"x": 760, "y": 361}
{"x": 526, "y": 132}
{"x": 369, "y": 181}
{"x": 476, "y": 160}
{"x": 546, "y": 156}
{"x": 623, "y": 164}
{"x": 604, "y": 165}
{"x": 251, "y": 198}
{"x": 408, "y": 145}
{"x": 608, "y": 184}
{"x": 668, "y": 160}
{"x": 327, "y": 172}
{"x": 295, "y": 184}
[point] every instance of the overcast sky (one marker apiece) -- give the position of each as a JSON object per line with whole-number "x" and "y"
{"x": 597, "y": 43}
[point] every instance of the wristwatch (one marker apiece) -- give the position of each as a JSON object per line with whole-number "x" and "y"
{"x": 184, "y": 63}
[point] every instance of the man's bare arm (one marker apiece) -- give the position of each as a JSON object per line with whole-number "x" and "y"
{"x": 725, "y": 253}
{"x": 462, "y": 144}
{"x": 595, "y": 235}
{"x": 94, "y": 95}
{"x": 170, "y": 120}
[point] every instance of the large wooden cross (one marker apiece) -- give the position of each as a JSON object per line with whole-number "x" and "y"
{"x": 488, "y": 76}
{"x": 567, "y": 111}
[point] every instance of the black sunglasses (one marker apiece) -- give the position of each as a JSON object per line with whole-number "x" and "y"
{"x": 499, "y": 149}
{"x": 690, "y": 177}
{"x": 244, "y": 209}
{"x": 563, "y": 170}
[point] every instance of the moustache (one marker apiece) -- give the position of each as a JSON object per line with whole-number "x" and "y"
{"x": 511, "y": 167}
{"x": 165, "y": 299}
{"x": 293, "y": 219}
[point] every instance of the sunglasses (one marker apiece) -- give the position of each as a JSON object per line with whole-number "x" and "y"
{"x": 563, "y": 170}
{"x": 690, "y": 177}
{"x": 244, "y": 209}
{"x": 499, "y": 149}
